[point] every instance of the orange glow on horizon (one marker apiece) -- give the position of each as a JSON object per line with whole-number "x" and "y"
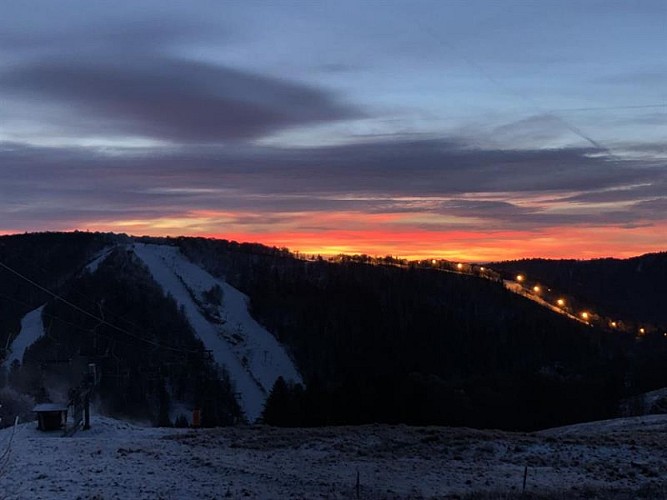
{"x": 466, "y": 245}
{"x": 454, "y": 246}
{"x": 382, "y": 234}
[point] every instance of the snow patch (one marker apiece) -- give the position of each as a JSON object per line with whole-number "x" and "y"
{"x": 32, "y": 328}
{"x": 253, "y": 357}
{"x": 627, "y": 424}
{"x": 101, "y": 257}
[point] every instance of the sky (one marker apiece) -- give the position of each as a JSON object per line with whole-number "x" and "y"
{"x": 468, "y": 130}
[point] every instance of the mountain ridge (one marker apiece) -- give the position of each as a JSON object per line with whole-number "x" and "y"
{"x": 389, "y": 343}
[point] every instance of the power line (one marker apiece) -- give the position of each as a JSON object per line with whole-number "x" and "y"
{"x": 116, "y": 317}
{"x": 51, "y": 316}
{"x": 102, "y": 321}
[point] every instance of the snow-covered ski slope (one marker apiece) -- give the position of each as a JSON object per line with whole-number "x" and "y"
{"x": 32, "y": 328}
{"x": 101, "y": 256}
{"x": 252, "y": 356}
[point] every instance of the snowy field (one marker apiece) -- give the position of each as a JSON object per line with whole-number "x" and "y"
{"x": 615, "y": 459}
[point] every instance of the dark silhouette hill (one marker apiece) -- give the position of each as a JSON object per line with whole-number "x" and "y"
{"x": 374, "y": 343}
{"x": 633, "y": 288}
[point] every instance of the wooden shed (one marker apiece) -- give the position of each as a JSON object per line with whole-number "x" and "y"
{"x": 51, "y": 416}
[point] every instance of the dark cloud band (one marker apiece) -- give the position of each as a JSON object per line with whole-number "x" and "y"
{"x": 440, "y": 178}
{"x": 170, "y": 99}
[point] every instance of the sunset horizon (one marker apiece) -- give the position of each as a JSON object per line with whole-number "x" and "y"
{"x": 452, "y": 247}
{"x": 467, "y": 131}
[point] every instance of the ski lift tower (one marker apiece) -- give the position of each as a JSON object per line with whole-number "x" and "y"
{"x": 79, "y": 401}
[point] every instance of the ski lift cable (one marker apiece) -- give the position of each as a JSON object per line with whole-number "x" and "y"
{"x": 116, "y": 318}
{"x": 76, "y": 326}
{"x": 82, "y": 298}
{"x": 94, "y": 316}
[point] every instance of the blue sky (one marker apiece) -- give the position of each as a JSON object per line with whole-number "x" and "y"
{"x": 354, "y": 126}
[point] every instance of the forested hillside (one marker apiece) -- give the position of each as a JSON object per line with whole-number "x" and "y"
{"x": 145, "y": 350}
{"x": 47, "y": 258}
{"x": 632, "y": 288}
{"x": 373, "y": 343}
{"x": 381, "y": 343}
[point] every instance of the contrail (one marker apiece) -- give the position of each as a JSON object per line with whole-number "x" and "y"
{"x": 581, "y": 134}
{"x": 509, "y": 90}
{"x": 612, "y": 108}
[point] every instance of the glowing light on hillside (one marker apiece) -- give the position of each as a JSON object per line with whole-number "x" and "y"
{"x": 459, "y": 266}
{"x": 642, "y": 331}
{"x": 520, "y": 277}
{"x": 482, "y": 269}
{"x": 537, "y": 289}
{"x": 560, "y": 302}
{"x": 585, "y": 316}
{"x": 434, "y": 261}
{"x": 613, "y": 324}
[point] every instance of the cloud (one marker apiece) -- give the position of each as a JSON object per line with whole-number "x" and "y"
{"x": 166, "y": 98}
{"x": 437, "y": 167}
{"x": 429, "y": 183}
{"x": 653, "y": 76}
{"x": 537, "y": 129}
{"x": 633, "y": 192}
{"x": 101, "y": 37}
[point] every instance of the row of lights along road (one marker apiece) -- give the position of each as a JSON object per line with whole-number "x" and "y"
{"x": 584, "y": 315}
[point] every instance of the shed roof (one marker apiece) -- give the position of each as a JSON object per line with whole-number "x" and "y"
{"x": 49, "y": 407}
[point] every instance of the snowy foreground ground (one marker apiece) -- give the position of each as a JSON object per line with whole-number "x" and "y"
{"x": 613, "y": 459}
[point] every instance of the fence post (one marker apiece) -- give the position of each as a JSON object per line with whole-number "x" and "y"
{"x": 525, "y": 476}
{"x": 358, "y": 486}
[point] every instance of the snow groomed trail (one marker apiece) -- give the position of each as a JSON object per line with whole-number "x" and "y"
{"x": 32, "y": 328}
{"x": 252, "y": 356}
